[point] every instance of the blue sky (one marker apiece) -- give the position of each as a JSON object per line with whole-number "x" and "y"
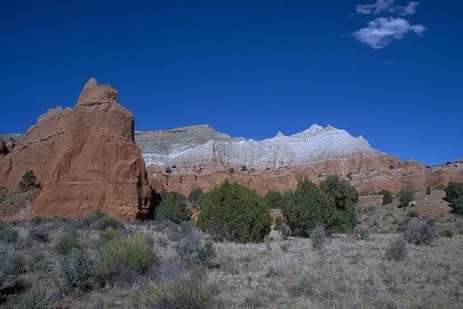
{"x": 391, "y": 71}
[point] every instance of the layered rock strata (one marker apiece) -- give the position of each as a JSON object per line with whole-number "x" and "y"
{"x": 198, "y": 157}
{"x": 191, "y": 146}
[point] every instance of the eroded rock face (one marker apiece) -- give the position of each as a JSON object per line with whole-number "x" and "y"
{"x": 85, "y": 159}
{"x": 195, "y": 145}
{"x": 198, "y": 157}
{"x": 367, "y": 174}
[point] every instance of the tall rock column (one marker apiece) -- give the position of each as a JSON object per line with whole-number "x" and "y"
{"x": 85, "y": 158}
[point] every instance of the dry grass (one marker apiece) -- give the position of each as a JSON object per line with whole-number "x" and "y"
{"x": 345, "y": 273}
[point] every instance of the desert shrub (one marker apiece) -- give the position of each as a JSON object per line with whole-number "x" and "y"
{"x": 192, "y": 291}
{"x": 99, "y": 221}
{"x": 179, "y": 231}
{"x": 66, "y": 243}
{"x": 28, "y": 181}
{"x": 161, "y": 226}
{"x": 35, "y": 298}
{"x": 285, "y": 231}
{"x": 273, "y": 199}
{"x": 14, "y": 264}
{"x": 413, "y": 213}
{"x": 9, "y": 236}
{"x": 405, "y": 197}
{"x": 173, "y": 208}
{"x": 305, "y": 285}
{"x": 108, "y": 234}
{"x": 387, "y": 197}
{"x": 37, "y": 220}
{"x": 318, "y": 237}
{"x": 192, "y": 248}
{"x": 74, "y": 272}
{"x": 361, "y": 231}
{"x": 253, "y": 301}
{"x": 459, "y": 227}
{"x": 454, "y": 195}
{"x": 419, "y": 232}
{"x": 196, "y": 254}
{"x": 307, "y": 206}
{"x": 124, "y": 254}
{"x": 397, "y": 249}
{"x": 370, "y": 209}
{"x": 37, "y": 262}
{"x": 106, "y": 222}
{"x": 235, "y": 213}
{"x": 40, "y": 233}
{"x": 285, "y": 247}
{"x": 268, "y": 242}
{"x": 428, "y": 190}
{"x": 196, "y": 195}
{"x": 447, "y": 233}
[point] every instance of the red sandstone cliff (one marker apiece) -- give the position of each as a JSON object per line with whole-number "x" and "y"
{"x": 85, "y": 159}
{"x": 366, "y": 173}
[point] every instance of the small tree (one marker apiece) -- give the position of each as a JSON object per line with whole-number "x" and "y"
{"x": 345, "y": 196}
{"x": 454, "y": 195}
{"x": 196, "y": 195}
{"x": 235, "y": 213}
{"x": 342, "y": 191}
{"x": 273, "y": 199}
{"x": 172, "y": 207}
{"x": 387, "y": 197}
{"x": 28, "y": 181}
{"x": 405, "y": 197}
{"x": 306, "y": 207}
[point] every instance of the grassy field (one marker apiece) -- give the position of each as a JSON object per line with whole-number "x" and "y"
{"x": 98, "y": 263}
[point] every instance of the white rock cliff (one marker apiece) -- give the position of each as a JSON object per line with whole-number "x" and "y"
{"x": 196, "y": 145}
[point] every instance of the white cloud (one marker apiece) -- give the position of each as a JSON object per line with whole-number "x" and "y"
{"x": 380, "y": 32}
{"x": 378, "y": 7}
{"x": 382, "y": 6}
{"x": 410, "y": 9}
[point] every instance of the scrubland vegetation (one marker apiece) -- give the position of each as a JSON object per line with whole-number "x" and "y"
{"x": 323, "y": 253}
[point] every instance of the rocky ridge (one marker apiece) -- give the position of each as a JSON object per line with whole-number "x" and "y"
{"x": 197, "y": 156}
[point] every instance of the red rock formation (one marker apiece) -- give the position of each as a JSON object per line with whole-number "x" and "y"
{"x": 366, "y": 173}
{"x": 85, "y": 158}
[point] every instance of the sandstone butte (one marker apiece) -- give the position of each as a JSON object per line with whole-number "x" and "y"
{"x": 85, "y": 159}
